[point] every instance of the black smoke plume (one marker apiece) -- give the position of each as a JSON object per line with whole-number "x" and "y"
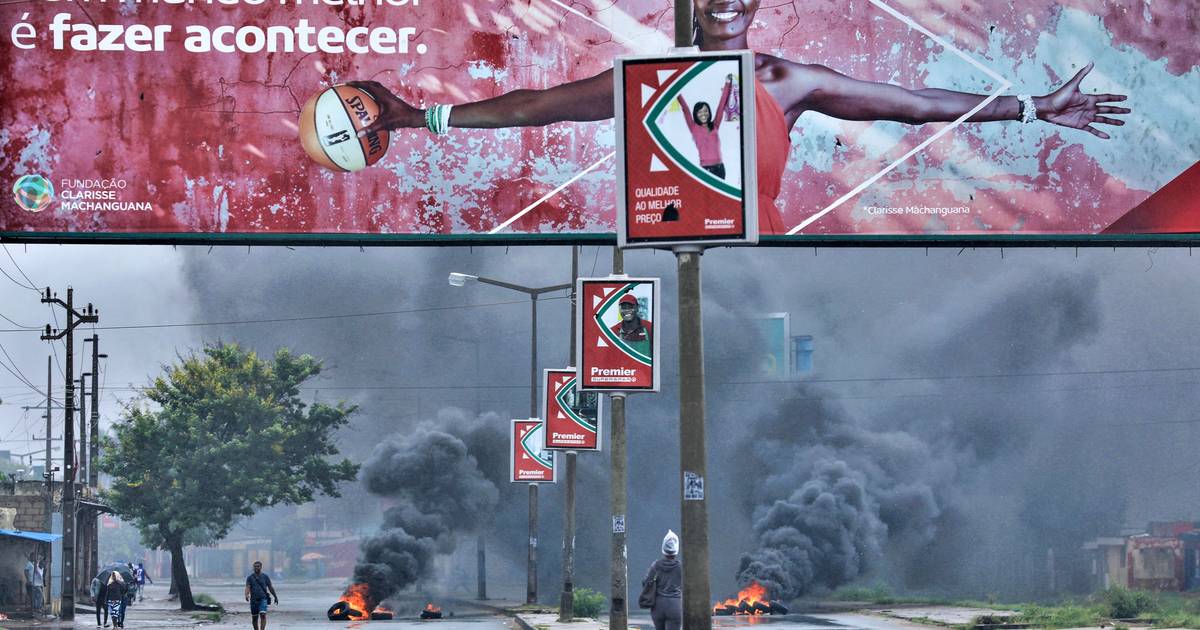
{"x": 442, "y": 493}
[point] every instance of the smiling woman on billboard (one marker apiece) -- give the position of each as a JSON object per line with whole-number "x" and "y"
{"x": 785, "y": 90}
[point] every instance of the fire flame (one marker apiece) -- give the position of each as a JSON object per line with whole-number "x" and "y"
{"x": 359, "y": 598}
{"x": 431, "y": 608}
{"x": 751, "y": 595}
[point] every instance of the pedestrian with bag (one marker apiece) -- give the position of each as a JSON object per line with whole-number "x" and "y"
{"x": 259, "y": 592}
{"x": 662, "y": 589}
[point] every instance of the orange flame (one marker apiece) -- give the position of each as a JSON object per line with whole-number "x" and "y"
{"x": 749, "y": 596}
{"x": 359, "y": 598}
{"x": 431, "y": 608}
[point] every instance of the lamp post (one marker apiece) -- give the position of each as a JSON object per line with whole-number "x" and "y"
{"x": 461, "y": 279}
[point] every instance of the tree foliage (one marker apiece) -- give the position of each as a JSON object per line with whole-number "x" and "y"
{"x": 219, "y": 435}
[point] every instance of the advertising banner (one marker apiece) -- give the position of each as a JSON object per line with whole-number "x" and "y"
{"x": 686, "y": 171}
{"x": 572, "y": 417}
{"x": 617, "y": 346}
{"x": 415, "y": 121}
{"x": 531, "y": 462}
{"x": 775, "y": 336}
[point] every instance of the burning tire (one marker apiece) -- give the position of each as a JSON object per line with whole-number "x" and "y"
{"x": 342, "y": 611}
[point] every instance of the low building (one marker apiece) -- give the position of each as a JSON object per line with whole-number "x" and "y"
{"x": 1155, "y": 563}
{"x": 1108, "y": 562}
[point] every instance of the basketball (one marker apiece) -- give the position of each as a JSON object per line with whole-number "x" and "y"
{"x": 329, "y": 125}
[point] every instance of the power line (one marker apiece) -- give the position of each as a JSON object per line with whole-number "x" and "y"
{"x": 32, "y": 284}
{"x": 16, "y": 371}
{"x": 9, "y": 320}
{"x": 304, "y": 318}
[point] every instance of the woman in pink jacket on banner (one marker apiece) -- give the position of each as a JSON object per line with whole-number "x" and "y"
{"x": 705, "y": 128}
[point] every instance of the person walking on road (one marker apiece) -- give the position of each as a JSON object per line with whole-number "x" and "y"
{"x": 114, "y": 599}
{"x": 662, "y": 590}
{"x": 141, "y": 577}
{"x": 259, "y": 592}
{"x": 100, "y": 600}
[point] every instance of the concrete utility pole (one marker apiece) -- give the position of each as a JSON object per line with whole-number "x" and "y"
{"x": 94, "y": 458}
{"x": 531, "y": 579}
{"x": 83, "y": 533}
{"x": 692, "y": 457}
{"x": 49, "y": 473}
{"x": 49, "y": 462}
{"x": 618, "y": 607}
{"x": 566, "y": 608}
{"x": 74, "y": 319}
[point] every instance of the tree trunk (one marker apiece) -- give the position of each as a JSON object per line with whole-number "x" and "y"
{"x": 180, "y": 577}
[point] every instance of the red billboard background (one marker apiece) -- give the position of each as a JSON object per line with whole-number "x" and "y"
{"x": 150, "y": 138}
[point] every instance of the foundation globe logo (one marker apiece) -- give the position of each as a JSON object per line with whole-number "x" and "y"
{"x": 33, "y": 192}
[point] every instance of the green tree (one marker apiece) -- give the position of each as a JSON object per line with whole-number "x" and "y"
{"x": 220, "y": 434}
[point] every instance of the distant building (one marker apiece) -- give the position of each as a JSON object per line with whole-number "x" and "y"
{"x": 1164, "y": 558}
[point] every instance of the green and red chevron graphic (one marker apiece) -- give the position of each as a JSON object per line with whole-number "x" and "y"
{"x": 612, "y": 337}
{"x": 658, "y": 106}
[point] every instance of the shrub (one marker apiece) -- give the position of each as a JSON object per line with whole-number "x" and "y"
{"x": 1122, "y": 603}
{"x": 588, "y": 603}
{"x": 204, "y": 599}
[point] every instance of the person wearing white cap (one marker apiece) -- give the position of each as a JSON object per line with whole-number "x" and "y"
{"x": 662, "y": 590}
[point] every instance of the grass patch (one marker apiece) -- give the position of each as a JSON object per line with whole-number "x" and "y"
{"x": 212, "y": 617}
{"x": 204, "y": 599}
{"x": 588, "y": 603}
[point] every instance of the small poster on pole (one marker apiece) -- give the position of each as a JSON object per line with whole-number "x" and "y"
{"x": 531, "y": 462}
{"x": 617, "y": 342}
{"x": 686, "y": 153}
{"x": 572, "y": 417}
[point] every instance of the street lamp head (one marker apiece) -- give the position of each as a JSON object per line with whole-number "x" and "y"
{"x": 460, "y": 279}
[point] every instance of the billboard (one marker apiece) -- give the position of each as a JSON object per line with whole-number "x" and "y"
{"x": 617, "y": 344}
{"x": 181, "y": 120}
{"x": 572, "y": 417}
{"x": 529, "y": 462}
{"x": 685, "y": 144}
{"x": 775, "y": 337}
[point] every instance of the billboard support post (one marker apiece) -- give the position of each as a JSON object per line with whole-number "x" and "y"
{"x": 531, "y": 578}
{"x": 692, "y": 461}
{"x": 618, "y": 610}
{"x": 566, "y": 609}
{"x": 531, "y": 584}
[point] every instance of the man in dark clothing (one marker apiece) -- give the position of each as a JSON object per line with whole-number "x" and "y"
{"x": 667, "y": 573}
{"x": 259, "y": 592}
{"x": 633, "y": 329}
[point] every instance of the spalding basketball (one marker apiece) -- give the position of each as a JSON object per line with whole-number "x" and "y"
{"x": 329, "y": 125}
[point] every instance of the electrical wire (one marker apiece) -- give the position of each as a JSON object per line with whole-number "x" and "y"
{"x": 278, "y": 320}
{"x": 19, "y": 269}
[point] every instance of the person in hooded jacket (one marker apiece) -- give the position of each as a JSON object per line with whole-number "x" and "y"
{"x": 667, "y": 575}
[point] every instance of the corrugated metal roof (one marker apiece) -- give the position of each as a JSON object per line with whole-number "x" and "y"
{"x": 38, "y": 536}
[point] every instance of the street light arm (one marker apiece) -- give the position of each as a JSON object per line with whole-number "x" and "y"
{"x": 507, "y": 285}
{"x": 557, "y": 287}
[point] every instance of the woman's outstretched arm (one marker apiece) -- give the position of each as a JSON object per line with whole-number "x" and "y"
{"x": 820, "y": 89}
{"x": 723, "y": 104}
{"x": 583, "y": 100}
